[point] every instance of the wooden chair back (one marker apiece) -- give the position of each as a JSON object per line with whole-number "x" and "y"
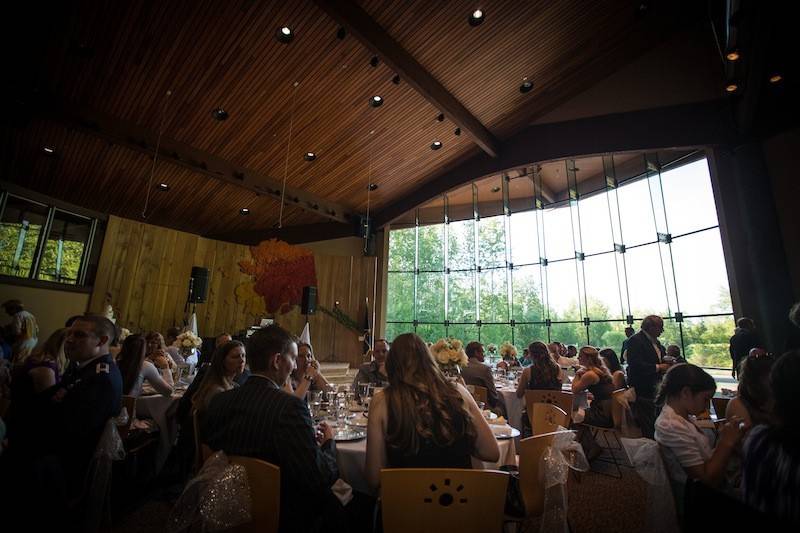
{"x": 531, "y": 476}
{"x": 547, "y": 418}
{"x": 617, "y": 408}
{"x": 265, "y": 492}
{"x": 481, "y": 394}
{"x": 556, "y": 397}
{"x": 442, "y": 499}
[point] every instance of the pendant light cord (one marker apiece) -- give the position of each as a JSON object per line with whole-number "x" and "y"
{"x": 155, "y": 155}
{"x": 286, "y": 165}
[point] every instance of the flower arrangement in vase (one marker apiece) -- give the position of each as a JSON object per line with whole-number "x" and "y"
{"x": 188, "y": 342}
{"x": 450, "y": 356}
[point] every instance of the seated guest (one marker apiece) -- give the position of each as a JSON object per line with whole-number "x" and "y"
{"x": 306, "y": 376}
{"x": 222, "y": 339}
{"x": 559, "y": 354}
{"x": 609, "y": 357}
{"x": 572, "y": 351}
{"x": 171, "y": 342}
{"x": 23, "y": 330}
{"x": 157, "y": 352}
{"x": 261, "y": 420}
{"x": 30, "y": 377}
{"x": 771, "y": 466}
{"x": 685, "y": 393}
{"x": 89, "y": 394}
{"x": 674, "y": 352}
{"x": 135, "y": 369}
{"x": 594, "y": 377}
{"x": 374, "y": 371}
{"x": 543, "y": 374}
{"x": 526, "y": 360}
{"x": 753, "y": 404}
{"x": 421, "y": 420}
{"x": 479, "y": 373}
{"x": 227, "y": 362}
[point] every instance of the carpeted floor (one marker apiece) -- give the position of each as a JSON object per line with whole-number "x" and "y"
{"x": 598, "y": 503}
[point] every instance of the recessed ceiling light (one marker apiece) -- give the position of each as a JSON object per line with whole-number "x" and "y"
{"x": 341, "y": 33}
{"x": 219, "y": 114}
{"x": 396, "y": 79}
{"x": 457, "y": 131}
{"x": 284, "y": 34}
{"x": 244, "y": 211}
{"x": 49, "y": 150}
{"x": 435, "y": 145}
{"x": 163, "y": 187}
{"x": 440, "y": 118}
{"x": 775, "y": 78}
{"x": 526, "y": 87}
{"x": 731, "y": 87}
{"x": 476, "y": 18}
{"x": 733, "y": 55}
{"x": 310, "y": 156}
{"x": 495, "y": 189}
{"x": 373, "y": 186}
{"x": 376, "y": 101}
{"x": 374, "y": 61}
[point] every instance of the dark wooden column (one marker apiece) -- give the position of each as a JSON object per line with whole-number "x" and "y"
{"x": 757, "y": 268}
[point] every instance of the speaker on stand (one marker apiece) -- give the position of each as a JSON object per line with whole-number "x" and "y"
{"x": 198, "y": 288}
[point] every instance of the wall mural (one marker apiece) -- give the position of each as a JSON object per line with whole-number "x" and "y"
{"x": 279, "y": 271}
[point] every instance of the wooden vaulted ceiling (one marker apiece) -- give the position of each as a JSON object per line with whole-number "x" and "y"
{"x": 162, "y": 67}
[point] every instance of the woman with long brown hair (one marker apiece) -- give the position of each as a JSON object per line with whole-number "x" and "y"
{"x": 593, "y": 376}
{"x": 157, "y": 351}
{"x": 421, "y": 420}
{"x": 227, "y": 362}
{"x": 135, "y": 369}
{"x": 543, "y": 374}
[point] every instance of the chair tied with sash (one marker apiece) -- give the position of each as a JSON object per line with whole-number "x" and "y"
{"x": 218, "y": 497}
{"x": 563, "y": 455}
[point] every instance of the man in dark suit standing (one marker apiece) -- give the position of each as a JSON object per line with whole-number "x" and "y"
{"x": 259, "y": 419}
{"x": 646, "y": 367}
{"x": 744, "y": 339}
{"x": 478, "y": 373}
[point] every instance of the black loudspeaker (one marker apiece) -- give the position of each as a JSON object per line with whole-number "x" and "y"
{"x": 198, "y": 285}
{"x": 309, "y": 305}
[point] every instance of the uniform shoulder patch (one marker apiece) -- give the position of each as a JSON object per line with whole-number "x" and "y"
{"x": 102, "y": 368}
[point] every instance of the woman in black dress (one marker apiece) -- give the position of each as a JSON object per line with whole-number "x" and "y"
{"x": 421, "y": 420}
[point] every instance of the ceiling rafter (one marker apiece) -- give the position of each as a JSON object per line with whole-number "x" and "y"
{"x": 375, "y": 38}
{"x": 142, "y": 140}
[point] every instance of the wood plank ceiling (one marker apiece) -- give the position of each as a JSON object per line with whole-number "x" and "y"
{"x": 121, "y": 59}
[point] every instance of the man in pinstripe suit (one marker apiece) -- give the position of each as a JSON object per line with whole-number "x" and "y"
{"x": 261, "y": 420}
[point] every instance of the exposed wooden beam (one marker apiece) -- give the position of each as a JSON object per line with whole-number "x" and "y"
{"x": 373, "y": 36}
{"x": 142, "y": 140}
{"x": 681, "y": 126}
{"x": 291, "y": 234}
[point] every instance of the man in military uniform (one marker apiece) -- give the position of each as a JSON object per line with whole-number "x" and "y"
{"x": 80, "y": 405}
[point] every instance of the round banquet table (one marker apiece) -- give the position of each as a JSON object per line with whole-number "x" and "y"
{"x": 162, "y": 410}
{"x": 352, "y": 458}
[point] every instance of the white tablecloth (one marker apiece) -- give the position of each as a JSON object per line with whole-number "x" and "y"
{"x": 514, "y": 406}
{"x": 162, "y": 410}
{"x": 352, "y": 458}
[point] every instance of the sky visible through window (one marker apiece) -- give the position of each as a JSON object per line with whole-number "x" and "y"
{"x": 686, "y": 276}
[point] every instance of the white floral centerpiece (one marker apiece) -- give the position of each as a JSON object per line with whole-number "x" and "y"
{"x": 188, "y": 342}
{"x": 123, "y": 334}
{"x": 491, "y": 351}
{"x": 508, "y": 351}
{"x": 450, "y": 355}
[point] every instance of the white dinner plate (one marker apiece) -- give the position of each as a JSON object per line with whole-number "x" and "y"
{"x": 348, "y": 434}
{"x": 509, "y": 433}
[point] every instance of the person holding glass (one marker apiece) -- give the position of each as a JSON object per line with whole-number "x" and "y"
{"x": 421, "y": 420}
{"x": 306, "y": 376}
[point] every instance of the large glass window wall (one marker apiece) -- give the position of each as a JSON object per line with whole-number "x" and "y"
{"x": 568, "y": 251}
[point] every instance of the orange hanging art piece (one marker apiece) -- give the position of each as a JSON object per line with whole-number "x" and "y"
{"x": 279, "y": 271}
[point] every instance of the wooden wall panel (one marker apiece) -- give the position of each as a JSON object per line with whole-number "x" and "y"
{"x": 144, "y": 273}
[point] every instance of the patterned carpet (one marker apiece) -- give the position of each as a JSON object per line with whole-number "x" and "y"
{"x": 598, "y": 503}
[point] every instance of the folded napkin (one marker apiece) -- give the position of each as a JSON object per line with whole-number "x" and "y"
{"x": 343, "y": 491}
{"x": 499, "y": 421}
{"x": 504, "y": 429}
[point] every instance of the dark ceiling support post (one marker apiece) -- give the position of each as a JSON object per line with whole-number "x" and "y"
{"x": 757, "y": 268}
{"x": 374, "y": 37}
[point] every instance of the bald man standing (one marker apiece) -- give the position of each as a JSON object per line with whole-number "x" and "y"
{"x": 646, "y": 367}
